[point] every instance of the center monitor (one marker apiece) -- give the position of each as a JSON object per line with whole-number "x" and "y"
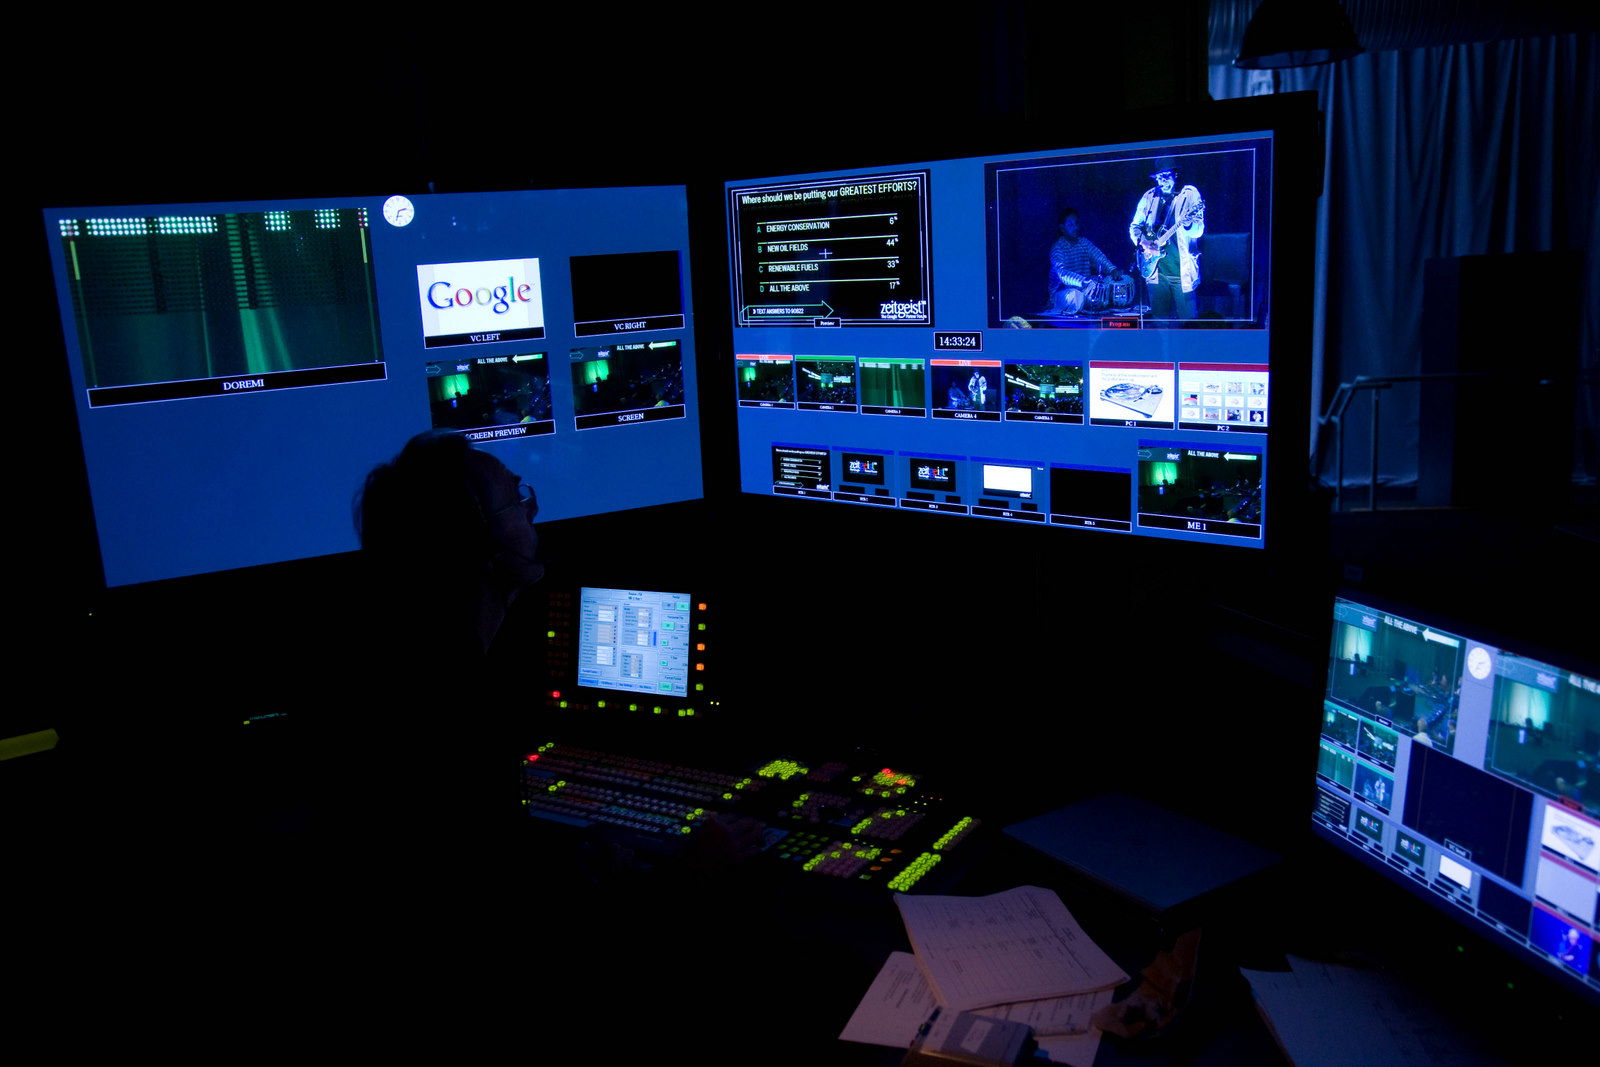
{"x": 632, "y": 651}
{"x": 1078, "y": 338}
{"x": 635, "y": 641}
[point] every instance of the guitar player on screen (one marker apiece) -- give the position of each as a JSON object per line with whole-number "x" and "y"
{"x": 1166, "y": 230}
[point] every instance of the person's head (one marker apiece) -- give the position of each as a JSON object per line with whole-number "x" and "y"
{"x": 443, "y": 510}
{"x": 1166, "y": 176}
{"x": 508, "y": 507}
{"x": 1069, "y": 223}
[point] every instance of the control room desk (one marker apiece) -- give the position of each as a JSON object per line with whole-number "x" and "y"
{"x": 766, "y": 966}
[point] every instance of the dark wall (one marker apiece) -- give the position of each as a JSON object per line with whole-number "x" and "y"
{"x": 1024, "y": 654}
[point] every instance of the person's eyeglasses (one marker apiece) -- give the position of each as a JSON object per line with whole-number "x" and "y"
{"x": 526, "y": 500}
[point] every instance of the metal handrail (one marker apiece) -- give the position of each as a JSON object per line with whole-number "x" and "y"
{"x": 1375, "y": 384}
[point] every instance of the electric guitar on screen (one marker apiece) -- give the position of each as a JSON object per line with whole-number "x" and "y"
{"x": 1151, "y": 247}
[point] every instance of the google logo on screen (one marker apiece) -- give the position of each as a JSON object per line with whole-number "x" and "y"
{"x": 498, "y": 298}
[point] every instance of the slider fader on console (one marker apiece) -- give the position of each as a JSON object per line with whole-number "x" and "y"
{"x": 874, "y": 825}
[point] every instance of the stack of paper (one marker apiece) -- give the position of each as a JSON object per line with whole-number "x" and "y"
{"x": 1017, "y": 955}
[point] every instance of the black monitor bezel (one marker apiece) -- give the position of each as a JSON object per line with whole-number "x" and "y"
{"x": 1510, "y": 620}
{"x": 1294, "y": 545}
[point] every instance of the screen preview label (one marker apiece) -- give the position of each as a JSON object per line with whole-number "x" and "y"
{"x": 480, "y": 303}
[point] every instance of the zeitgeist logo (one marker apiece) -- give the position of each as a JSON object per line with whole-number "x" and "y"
{"x": 915, "y": 310}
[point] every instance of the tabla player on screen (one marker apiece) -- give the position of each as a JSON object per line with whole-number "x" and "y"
{"x": 1075, "y": 261}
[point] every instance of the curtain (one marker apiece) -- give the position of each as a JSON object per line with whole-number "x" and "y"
{"x": 1451, "y": 150}
{"x": 1355, "y": 642}
{"x": 1524, "y": 704}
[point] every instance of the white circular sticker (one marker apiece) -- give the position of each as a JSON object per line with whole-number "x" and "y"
{"x": 1478, "y": 663}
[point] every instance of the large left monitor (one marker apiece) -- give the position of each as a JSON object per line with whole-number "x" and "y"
{"x": 239, "y": 366}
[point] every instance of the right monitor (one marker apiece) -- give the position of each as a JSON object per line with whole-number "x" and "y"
{"x": 1078, "y": 338}
{"x": 1466, "y": 771}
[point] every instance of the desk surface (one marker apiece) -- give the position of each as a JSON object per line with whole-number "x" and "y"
{"x": 192, "y": 931}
